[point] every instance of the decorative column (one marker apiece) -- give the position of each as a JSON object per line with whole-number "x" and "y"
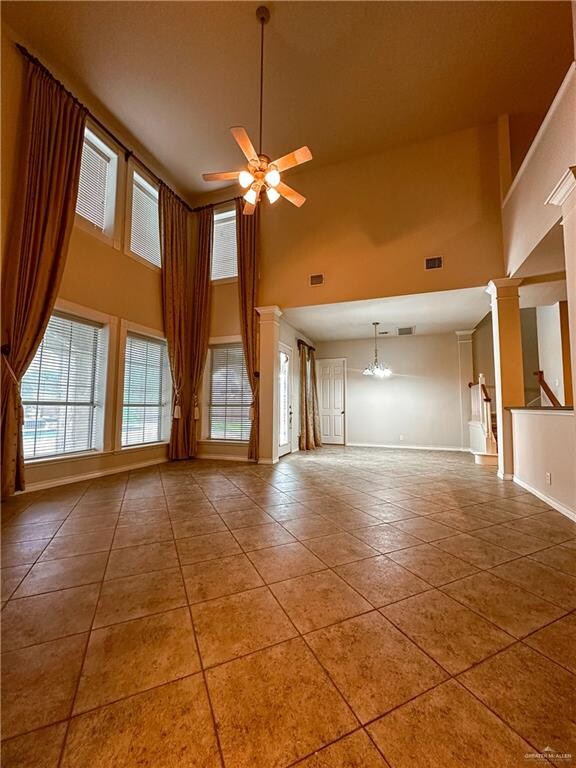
{"x": 508, "y": 365}
{"x": 465, "y": 376}
{"x": 564, "y": 196}
{"x": 269, "y": 371}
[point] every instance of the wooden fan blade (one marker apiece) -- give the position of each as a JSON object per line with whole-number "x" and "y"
{"x": 248, "y": 209}
{"x": 243, "y": 141}
{"x": 221, "y": 176}
{"x": 297, "y": 157}
{"x": 290, "y": 194}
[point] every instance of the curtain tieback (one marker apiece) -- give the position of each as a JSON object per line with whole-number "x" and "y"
{"x": 10, "y": 369}
{"x": 177, "y": 412}
{"x": 196, "y": 408}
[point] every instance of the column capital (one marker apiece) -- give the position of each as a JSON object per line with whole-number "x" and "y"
{"x": 464, "y": 335}
{"x": 504, "y": 287}
{"x": 564, "y": 188}
{"x": 269, "y": 314}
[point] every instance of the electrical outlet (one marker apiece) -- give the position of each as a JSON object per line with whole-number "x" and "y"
{"x": 548, "y": 478}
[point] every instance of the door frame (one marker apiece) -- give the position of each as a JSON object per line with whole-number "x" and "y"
{"x": 287, "y": 349}
{"x": 344, "y": 361}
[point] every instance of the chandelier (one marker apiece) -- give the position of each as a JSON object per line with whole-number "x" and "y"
{"x": 375, "y": 368}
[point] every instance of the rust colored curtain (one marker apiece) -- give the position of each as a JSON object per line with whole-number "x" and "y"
{"x": 247, "y": 229}
{"x": 41, "y": 219}
{"x": 177, "y": 305}
{"x": 310, "y": 437}
{"x": 200, "y": 317}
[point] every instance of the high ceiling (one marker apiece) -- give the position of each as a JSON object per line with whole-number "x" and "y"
{"x": 346, "y": 78}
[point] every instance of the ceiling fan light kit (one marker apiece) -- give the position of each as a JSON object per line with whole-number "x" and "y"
{"x": 376, "y": 368}
{"x": 262, "y": 174}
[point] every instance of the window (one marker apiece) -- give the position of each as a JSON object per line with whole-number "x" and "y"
{"x": 63, "y": 390}
{"x": 144, "y": 221}
{"x": 97, "y": 186}
{"x": 230, "y": 394}
{"x": 146, "y": 413}
{"x": 224, "y": 250}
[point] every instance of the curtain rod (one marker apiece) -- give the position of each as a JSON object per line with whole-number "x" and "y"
{"x": 214, "y": 205}
{"x": 302, "y": 343}
{"x": 127, "y": 151}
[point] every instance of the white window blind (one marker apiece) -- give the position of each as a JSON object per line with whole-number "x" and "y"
{"x": 230, "y": 394}
{"x": 224, "y": 248}
{"x": 146, "y": 414}
{"x": 63, "y": 390}
{"x": 97, "y": 184}
{"x": 145, "y": 223}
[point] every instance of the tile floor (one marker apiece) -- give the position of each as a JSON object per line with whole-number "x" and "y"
{"x": 349, "y": 608}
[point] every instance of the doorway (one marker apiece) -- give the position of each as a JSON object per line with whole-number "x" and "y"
{"x": 285, "y": 400}
{"x": 331, "y": 375}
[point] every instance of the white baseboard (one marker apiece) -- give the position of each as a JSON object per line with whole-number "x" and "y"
{"x": 503, "y": 476}
{"x": 401, "y": 446}
{"x": 268, "y": 461}
{"x": 558, "y": 506}
{"x": 68, "y": 479}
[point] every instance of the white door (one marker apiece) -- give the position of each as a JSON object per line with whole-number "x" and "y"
{"x": 331, "y": 375}
{"x": 285, "y": 400}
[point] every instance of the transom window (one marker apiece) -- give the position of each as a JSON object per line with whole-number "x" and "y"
{"x": 145, "y": 220}
{"x": 230, "y": 394}
{"x": 63, "y": 390}
{"x": 224, "y": 248}
{"x": 97, "y": 186}
{"x": 146, "y": 412}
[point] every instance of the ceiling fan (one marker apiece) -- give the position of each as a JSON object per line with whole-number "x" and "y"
{"x": 262, "y": 173}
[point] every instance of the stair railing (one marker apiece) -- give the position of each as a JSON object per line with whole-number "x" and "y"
{"x": 481, "y": 403}
{"x": 546, "y": 389}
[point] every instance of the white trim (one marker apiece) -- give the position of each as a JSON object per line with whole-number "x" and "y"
{"x": 503, "y": 476}
{"x": 401, "y": 446}
{"x": 213, "y": 341}
{"x": 562, "y": 411}
{"x": 268, "y": 461}
{"x": 558, "y": 506}
{"x": 132, "y": 167}
{"x": 68, "y": 479}
{"x": 543, "y": 127}
{"x": 222, "y": 457}
{"x": 563, "y": 189}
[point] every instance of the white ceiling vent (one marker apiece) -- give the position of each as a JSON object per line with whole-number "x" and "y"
{"x": 434, "y": 262}
{"x": 316, "y": 279}
{"x": 409, "y": 331}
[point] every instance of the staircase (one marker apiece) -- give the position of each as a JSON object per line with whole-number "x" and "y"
{"x": 482, "y": 424}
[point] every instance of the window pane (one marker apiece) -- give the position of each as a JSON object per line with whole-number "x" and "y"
{"x": 145, "y": 224}
{"x": 97, "y": 181}
{"x": 146, "y": 413}
{"x": 62, "y": 390}
{"x": 230, "y": 394}
{"x": 224, "y": 249}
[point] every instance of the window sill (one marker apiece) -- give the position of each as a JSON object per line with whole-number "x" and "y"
{"x": 142, "y": 260}
{"x": 225, "y": 280}
{"x": 141, "y": 446}
{"x": 214, "y": 441}
{"x": 86, "y": 226}
{"x": 64, "y": 457}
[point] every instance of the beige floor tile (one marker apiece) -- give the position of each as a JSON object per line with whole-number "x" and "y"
{"x": 420, "y": 506}
{"x": 283, "y": 512}
{"x": 310, "y": 527}
{"x": 551, "y": 534}
{"x": 141, "y": 533}
{"x": 448, "y": 728}
{"x": 508, "y": 606}
{"x": 216, "y": 578}
{"x": 163, "y": 728}
{"x": 11, "y": 578}
{"x": 560, "y": 557}
{"x": 318, "y": 599}
{"x": 517, "y": 542}
{"x": 353, "y": 751}
{"x": 136, "y": 655}
{"x": 131, "y": 561}
{"x": 134, "y": 596}
{"x": 146, "y": 504}
{"x": 260, "y": 536}
{"x": 530, "y": 693}
{"x": 196, "y": 526}
{"x": 191, "y": 509}
{"x": 460, "y": 519}
{"x": 557, "y": 520}
{"x": 207, "y": 547}
{"x": 475, "y": 550}
{"x": 557, "y": 641}
{"x": 61, "y": 574}
{"x": 38, "y": 684}
{"x": 453, "y": 635}
{"x": 380, "y": 580}
{"x": 547, "y": 583}
{"x": 29, "y": 532}
{"x": 41, "y": 618}
{"x": 340, "y": 548}
{"x": 386, "y": 538}
{"x": 351, "y": 519}
{"x": 384, "y": 670}
{"x": 88, "y": 524}
{"x": 36, "y": 514}
{"x": 234, "y": 504}
{"x": 39, "y": 749}
{"x": 424, "y": 529}
{"x": 22, "y": 552}
{"x": 432, "y": 564}
{"x": 238, "y": 624}
{"x": 244, "y": 518}
{"x": 275, "y": 706}
{"x": 390, "y": 513}
{"x": 78, "y": 544}
{"x": 285, "y": 562}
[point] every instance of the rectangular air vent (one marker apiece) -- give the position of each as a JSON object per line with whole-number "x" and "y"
{"x": 434, "y": 262}
{"x": 316, "y": 279}
{"x": 406, "y": 331}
